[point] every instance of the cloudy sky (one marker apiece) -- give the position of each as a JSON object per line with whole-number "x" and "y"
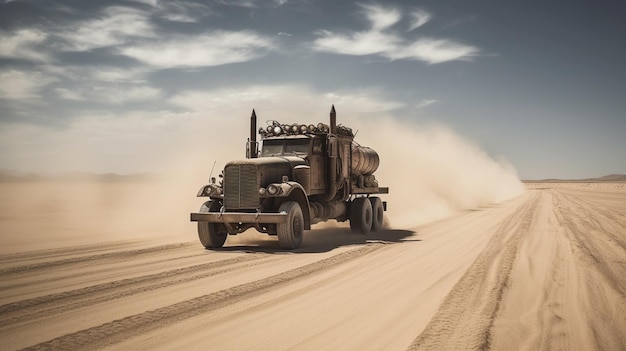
{"x": 118, "y": 86}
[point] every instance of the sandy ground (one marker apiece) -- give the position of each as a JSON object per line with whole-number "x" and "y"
{"x": 545, "y": 270}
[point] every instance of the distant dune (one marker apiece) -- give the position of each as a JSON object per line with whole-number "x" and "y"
{"x": 606, "y": 178}
{"x": 612, "y": 178}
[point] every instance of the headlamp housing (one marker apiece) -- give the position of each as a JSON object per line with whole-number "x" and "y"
{"x": 273, "y": 189}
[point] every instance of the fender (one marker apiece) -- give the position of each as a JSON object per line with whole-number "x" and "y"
{"x": 295, "y": 192}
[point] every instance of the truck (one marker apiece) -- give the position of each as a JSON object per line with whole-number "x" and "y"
{"x": 298, "y": 175}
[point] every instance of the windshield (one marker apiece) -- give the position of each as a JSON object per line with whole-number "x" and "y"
{"x": 285, "y": 147}
{"x": 271, "y": 149}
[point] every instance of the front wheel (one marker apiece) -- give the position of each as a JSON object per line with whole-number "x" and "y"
{"x": 290, "y": 233}
{"x": 212, "y": 235}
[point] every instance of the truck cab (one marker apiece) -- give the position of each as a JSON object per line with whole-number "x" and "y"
{"x": 309, "y": 147}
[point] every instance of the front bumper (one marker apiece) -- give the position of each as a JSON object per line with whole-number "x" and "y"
{"x": 238, "y": 217}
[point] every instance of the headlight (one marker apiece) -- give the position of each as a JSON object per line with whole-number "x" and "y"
{"x": 206, "y": 190}
{"x": 261, "y": 191}
{"x": 273, "y": 189}
{"x": 322, "y": 128}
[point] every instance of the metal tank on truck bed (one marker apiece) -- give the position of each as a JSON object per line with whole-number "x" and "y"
{"x": 302, "y": 175}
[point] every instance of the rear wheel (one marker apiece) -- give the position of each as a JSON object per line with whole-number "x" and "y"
{"x": 377, "y": 213}
{"x": 212, "y": 235}
{"x": 361, "y": 215}
{"x": 290, "y": 233}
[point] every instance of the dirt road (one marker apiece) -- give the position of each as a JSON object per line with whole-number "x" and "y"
{"x": 546, "y": 270}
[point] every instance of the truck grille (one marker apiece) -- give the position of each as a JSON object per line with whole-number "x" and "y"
{"x": 241, "y": 187}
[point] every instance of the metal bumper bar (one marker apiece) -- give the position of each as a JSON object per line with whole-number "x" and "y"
{"x": 238, "y": 217}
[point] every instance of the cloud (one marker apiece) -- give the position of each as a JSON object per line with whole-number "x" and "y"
{"x": 22, "y": 85}
{"x": 112, "y": 93}
{"x": 426, "y": 102}
{"x": 217, "y": 48}
{"x": 183, "y": 11}
{"x": 365, "y": 100}
{"x": 434, "y": 51}
{"x": 237, "y": 3}
{"x": 147, "y": 2}
{"x": 358, "y": 43}
{"x": 201, "y": 123}
{"x": 381, "y": 17}
{"x": 97, "y": 74}
{"x": 179, "y": 17}
{"x": 67, "y": 94}
{"x": 380, "y": 40}
{"x": 116, "y": 26}
{"x": 419, "y": 18}
{"x": 287, "y": 98}
{"x": 113, "y": 74}
{"x": 21, "y": 45}
{"x": 123, "y": 94}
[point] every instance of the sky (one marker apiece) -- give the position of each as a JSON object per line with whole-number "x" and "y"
{"x": 128, "y": 86}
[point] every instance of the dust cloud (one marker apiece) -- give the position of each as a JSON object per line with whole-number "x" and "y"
{"x": 431, "y": 171}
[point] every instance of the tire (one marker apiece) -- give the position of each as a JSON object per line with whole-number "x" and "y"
{"x": 377, "y": 213}
{"x": 291, "y": 232}
{"x": 361, "y": 215}
{"x": 212, "y": 235}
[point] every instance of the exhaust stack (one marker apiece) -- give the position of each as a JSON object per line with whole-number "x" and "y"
{"x": 332, "y": 164}
{"x": 252, "y": 143}
{"x": 333, "y": 120}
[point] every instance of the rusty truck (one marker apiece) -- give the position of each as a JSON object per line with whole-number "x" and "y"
{"x": 296, "y": 176}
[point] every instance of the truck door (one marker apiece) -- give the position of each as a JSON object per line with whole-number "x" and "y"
{"x": 318, "y": 166}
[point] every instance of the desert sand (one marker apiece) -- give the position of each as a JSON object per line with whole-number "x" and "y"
{"x": 544, "y": 270}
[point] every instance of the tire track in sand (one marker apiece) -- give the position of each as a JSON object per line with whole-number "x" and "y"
{"x": 70, "y": 300}
{"x": 92, "y": 259}
{"x": 48, "y": 254}
{"x": 466, "y": 315}
{"x": 119, "y": 330}
{"x": 597, "y": 243}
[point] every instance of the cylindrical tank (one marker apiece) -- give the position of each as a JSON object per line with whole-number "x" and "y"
{"x": 327, "y": 210}
{"x": 365, "y": 160}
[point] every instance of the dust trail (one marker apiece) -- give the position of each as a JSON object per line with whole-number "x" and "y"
{"x": 433, "y": 172}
